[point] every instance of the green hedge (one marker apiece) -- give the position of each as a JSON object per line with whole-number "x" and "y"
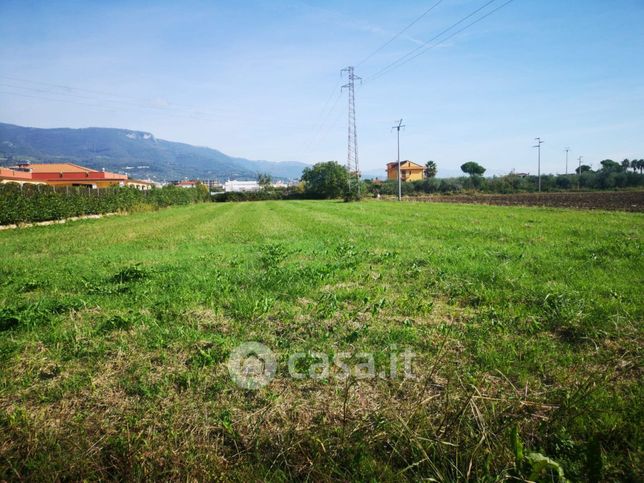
{"x": 261, "y": 195}
{"x": 31, "y": 203}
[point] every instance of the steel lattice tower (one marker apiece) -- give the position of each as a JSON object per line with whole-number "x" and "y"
{"x": 352, "y": 146}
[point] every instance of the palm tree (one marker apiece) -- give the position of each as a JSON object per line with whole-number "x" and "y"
{"x": 430, "y": 169}
{"x": 626, "y": 164}
{"x": 634, "y": 165}
{"x": 640, "y": 165}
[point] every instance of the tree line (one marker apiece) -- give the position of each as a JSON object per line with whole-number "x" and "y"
{"x": 331, "y": 180}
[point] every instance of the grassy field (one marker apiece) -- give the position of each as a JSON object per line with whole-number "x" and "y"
{"x": 526, "y": 324}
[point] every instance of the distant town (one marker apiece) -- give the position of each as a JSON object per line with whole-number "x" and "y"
{"x": 73, "y": 175}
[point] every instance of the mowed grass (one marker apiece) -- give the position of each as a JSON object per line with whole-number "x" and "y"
{"x": 526, "y": 322}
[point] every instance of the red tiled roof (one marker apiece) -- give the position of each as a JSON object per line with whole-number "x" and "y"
{"x": 65, "y": 172}
{"x": 56, "y": 168}
{"x": 6, "y": 173}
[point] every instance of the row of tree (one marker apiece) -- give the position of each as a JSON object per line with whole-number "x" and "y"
{"x": 471, "y": 168}
{"x": 332, "y": 180}
{"x": 608, "y": 165}
{"x": 594, "y": 180}
{"x": 637, "y": 165}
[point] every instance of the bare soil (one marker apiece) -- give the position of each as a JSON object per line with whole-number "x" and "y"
{"x": 587, "y": 200}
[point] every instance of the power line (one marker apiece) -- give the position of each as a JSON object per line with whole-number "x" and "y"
{"x": 538, "y": 146}
{"x": 414, "y": 22}
{"x": 397, "y": 127}
{"x": 68, "y": 90}
{"x": 330, "y": 126}
{"x": 335, "y": 94}
{"x": 352, "y": 138}
{"x": 428, "y": 45}
{"x": 66, "y": 87}
{"x": 111, "y": 108}
{"x": 327, "y": 109}
{"x": 103, "y": 103}
{"x": 76, "y": 96}
{"x": 104, "y": 107}
{"x": 111, "y": 101}
{"x": 326, "y": 116}
{"x": 115, "y": 105}
{"x": 412, "y": 55}
{"x": 58, "y": 100}
{"x": 329, "y": 121}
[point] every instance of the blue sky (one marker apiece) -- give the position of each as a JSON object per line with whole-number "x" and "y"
{"x": 260, "y": 79}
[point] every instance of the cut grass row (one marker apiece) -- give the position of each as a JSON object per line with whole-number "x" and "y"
{"x": 526, "y": 322}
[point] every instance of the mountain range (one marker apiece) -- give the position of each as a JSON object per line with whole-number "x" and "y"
{"x": 137, "y": 153}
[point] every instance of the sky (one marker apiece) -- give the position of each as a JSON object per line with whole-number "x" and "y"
{"x": 261, "y": 78}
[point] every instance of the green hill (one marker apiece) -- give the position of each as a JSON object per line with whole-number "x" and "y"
{"x": 140, "y": 154}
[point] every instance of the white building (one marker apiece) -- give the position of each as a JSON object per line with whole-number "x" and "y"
{"x": 241, "y": 186}
{"x": 187, "y": 184}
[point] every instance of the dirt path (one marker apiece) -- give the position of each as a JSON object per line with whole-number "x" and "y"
{"x": 55, "y": 222}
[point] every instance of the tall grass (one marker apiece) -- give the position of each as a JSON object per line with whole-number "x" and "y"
{"x": 526, "y": 324}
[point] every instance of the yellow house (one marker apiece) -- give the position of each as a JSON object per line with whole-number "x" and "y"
{"x": 409, "y": 171}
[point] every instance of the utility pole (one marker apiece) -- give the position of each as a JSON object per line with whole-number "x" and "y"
{"x": 579, "y": 173}
{"x": 352, "y": 144}
{"x": 397, "y": 128}
{"x": 567, "y": 149}
{"x": 538, "y": 146}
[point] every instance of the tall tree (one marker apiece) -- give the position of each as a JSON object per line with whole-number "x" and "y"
{"x": 431, "y": 168}
{"x": 473, "y": 169}
{"x": 635, "y": 165}
{"x": 584, "y": 168}
{"x": 626, "y": 164}
{"x": 326, "y": 180}
{"x": 608, "y": 165}
{"x": 265, "y": 180}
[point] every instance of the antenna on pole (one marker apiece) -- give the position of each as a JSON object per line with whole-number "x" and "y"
{"x": 538, "y": 146}
{"x": 397, "y": 128}
{"x": 567, "y": 149}
{"x": 352, "y": 141}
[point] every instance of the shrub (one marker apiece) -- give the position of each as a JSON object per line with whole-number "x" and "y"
{"x": 261, "y": 195}
{"x": 32, "y": 203}
{"x": 326, "y": 180}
